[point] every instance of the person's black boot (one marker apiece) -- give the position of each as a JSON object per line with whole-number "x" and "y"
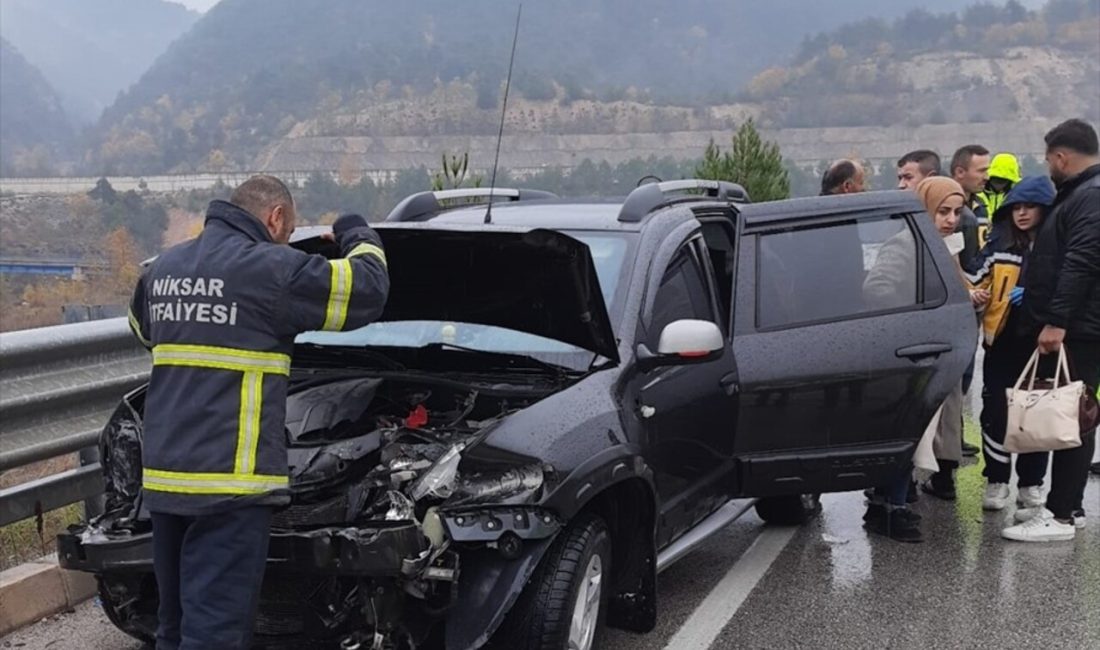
{"x": 879, "y": 511}
{"x": 969, "y": 449}
{"x": 1095, "y": 468}
{"x": 899, "y": 524}
{"x": 942, "y": 483}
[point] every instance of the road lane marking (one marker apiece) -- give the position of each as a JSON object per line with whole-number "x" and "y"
{"x": 720, "y": 605}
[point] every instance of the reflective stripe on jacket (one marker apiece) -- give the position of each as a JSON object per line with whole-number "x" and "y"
{"x": 220, "y": 314}
{"x": 1002, "y": 257}
{"x": 999, "y": 274}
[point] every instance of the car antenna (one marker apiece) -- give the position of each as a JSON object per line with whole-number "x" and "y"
{"x": 503, "y": 114}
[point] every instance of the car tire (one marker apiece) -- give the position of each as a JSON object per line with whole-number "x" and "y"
{"x": 788, "y": 510}
{"x": 561, "y": 590}
{"x": 108, "y": 604}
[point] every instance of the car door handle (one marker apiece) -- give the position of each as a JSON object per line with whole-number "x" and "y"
{"x": 729, "y": 384}
{"x": 922, "y": 350}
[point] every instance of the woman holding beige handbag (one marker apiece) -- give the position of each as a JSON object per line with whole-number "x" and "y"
{"x": 1002, "y": 267}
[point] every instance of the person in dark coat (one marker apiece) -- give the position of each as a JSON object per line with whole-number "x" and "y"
{"x": 1062, "y": 305}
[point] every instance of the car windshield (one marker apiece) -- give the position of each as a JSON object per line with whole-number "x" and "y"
{"x": 608, "y": 251}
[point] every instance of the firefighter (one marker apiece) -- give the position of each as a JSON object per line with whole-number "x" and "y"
{"x": 1004, "y": 173}
{"x": 220, "y": 313}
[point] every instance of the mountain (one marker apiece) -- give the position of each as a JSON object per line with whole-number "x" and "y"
{"x": 34, "y": 132}
{"x": 250, "y": 70}
{"x": 985, "y": 64}
{"x": 89, "y": 51}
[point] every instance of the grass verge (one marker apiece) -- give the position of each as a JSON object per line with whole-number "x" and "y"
{"x": 25, "y": 540}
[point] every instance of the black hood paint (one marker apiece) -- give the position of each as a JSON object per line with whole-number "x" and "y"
{"x": 536, "y": 281}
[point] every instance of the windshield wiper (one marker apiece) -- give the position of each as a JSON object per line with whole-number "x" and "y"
{"x": 559, "y": 371}
{"x": 338, "y": 355}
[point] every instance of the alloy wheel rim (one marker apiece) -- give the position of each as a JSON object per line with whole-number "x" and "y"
{"x": 586, "y": 611}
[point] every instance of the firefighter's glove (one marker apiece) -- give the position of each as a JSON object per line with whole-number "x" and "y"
{"x": 352, "y": 229}
{"x": 348, "y": 222}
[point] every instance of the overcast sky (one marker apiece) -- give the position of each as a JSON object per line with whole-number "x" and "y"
{"x": 197, "y": 5}
{"x": 203, "y": 5}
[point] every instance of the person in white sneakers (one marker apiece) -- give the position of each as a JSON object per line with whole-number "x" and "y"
{"x": 1062, "y": 302}
{"x": 1008, "y": 343}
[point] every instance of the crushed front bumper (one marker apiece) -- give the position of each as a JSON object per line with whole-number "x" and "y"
{"x": 398, "y": 549}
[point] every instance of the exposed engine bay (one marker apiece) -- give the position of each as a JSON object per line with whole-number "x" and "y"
{"x": 375, "y": 466}
{"x": 418, "y": 432}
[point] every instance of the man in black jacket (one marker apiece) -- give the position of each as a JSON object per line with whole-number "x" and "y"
{"x": 1062, "y": 303}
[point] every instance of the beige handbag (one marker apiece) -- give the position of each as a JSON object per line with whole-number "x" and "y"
{"x": 1046, "y": 416}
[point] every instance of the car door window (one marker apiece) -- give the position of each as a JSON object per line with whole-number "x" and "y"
{"x": 683, "y": 294}
{"x": 718, "y": 236}
{"x": 842, "y": 270}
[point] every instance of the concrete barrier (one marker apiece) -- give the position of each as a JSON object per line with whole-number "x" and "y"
{"x": 30, "y": 592}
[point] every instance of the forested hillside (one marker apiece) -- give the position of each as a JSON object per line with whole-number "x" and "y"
{"x": 984, "y": 64}
{"x": 33, "y": 128}
{"x": 251, "y": 70}
{"x": 90, "y": 50}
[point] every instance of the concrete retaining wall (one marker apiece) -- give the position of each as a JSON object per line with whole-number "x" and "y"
{"x": 31, "y": 592}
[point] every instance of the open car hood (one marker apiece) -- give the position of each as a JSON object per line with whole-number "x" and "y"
{"x": 535, "y": 281}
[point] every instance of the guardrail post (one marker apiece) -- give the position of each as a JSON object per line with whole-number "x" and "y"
{"x": 93, "y": 506}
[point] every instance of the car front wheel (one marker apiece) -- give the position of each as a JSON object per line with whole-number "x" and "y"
{"x": 564, "y": 603}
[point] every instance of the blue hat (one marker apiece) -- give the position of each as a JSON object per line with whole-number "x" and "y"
{"x": 1033, "y": 189}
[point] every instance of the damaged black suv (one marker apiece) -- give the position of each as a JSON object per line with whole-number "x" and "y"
{"x": 561, "y": 399}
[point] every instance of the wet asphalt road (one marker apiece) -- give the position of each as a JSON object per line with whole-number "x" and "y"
{"x": 829, "y": 585}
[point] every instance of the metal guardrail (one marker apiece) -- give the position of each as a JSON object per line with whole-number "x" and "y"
{"x": 58, "y": 387}
{"x": 167, "y": 182}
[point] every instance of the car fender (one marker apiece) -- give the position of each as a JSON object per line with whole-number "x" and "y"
{"x": 633, "y": 599}
{"x": 490, "y": 584}
{"x": 613, "y": 465}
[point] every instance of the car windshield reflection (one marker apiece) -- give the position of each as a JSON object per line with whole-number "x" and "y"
{"x": 608, "y": 252}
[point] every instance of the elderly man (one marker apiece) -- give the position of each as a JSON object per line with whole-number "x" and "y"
{"x": 843, "y": 177}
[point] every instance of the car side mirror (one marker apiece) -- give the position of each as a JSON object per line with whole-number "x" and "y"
{"x": 683, "y": 342}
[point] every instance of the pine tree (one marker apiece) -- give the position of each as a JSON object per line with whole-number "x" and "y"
{"x": 714, "y": 166}
{"x": 751, "y": 162}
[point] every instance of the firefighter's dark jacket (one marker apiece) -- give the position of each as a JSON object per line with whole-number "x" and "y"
{"x": 1063, "y": 278}
{"x": 220, "y": 314}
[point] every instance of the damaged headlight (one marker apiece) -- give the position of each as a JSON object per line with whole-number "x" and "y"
{"x": 401, "y": 507}
{"x": 439, "y": 481}
{"x": 482, "y": 488}
{"x": 442, "y": 481}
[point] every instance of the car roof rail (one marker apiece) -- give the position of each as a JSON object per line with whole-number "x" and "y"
{"x": 652, "y": 196}
{"x": 418, "y": 206}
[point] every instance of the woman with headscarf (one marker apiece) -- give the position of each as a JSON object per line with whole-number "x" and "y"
{"x": 891, "y": 283}
{"x": 1008, "y": 344}
{"x": 944, "y": 199}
